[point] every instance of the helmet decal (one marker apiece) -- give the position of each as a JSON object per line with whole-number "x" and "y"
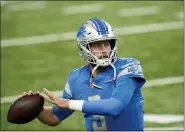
{"x": 100, "y": 25}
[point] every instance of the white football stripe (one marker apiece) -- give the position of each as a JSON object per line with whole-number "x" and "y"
{"x": 159, "y": 118}
{"x": 164, "y": 129}
{"x": 150, "y": 83}
{"x": 139, "y": 11}
{"x": 7, "y": 2}
{"x": 87, "y": 8}
{"x": 164, "y": 81}
{"x": 26, "y": 6}
{"x": 130, "y": 30}
{"x": 139, "y": 29}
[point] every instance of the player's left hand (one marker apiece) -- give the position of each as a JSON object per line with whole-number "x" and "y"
{"x": 60, "y": 102}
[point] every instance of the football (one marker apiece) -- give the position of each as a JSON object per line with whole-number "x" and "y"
{"x": 25, "y": 109}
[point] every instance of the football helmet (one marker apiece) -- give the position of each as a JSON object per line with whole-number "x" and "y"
{"x": 93, "y": 30}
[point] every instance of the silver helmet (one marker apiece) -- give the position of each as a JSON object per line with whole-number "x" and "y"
{"x": 93, "y": 30}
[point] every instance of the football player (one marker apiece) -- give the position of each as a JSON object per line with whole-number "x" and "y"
{"x": 107, "y": 90}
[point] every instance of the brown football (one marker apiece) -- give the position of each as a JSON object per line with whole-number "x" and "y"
{"x": 25, "y": 109}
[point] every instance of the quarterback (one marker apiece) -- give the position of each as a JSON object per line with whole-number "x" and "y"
{"x": 107, "y": 90}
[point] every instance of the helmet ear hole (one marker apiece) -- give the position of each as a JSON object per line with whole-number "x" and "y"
{"x": 88, "y": 33}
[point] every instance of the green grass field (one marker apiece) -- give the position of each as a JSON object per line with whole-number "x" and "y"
{"x": 33, "y": 67}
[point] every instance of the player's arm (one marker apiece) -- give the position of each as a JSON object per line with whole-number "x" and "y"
{"x": 129, "y": 78}
{"x": 52, "y": 116}
{"x": 126, "y": 83}
{"x": 47, "y": 117}
{"x": 111, "y": 106}
{"x": 118, "y": 101}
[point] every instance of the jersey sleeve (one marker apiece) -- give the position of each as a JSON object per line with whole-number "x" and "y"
{"x": 61, "y": 113}
{"x": 132, "y": 69}
{"x": 120, "y": 98}
{"x": 130, "y": 77}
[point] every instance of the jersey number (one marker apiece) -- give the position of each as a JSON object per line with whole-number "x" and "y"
{"x": 98, "y": 122}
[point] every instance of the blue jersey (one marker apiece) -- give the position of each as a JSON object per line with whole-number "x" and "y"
{"x": 112, "y": 104}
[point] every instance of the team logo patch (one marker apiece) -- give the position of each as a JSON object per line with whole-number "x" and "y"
{"x": 131, "y": 69}
{"x": 134, "y": 69}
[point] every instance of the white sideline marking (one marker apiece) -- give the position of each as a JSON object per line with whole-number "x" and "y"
{"x": 87, "y": 8}
{"x": 164, "y": 81}
{"x": 160, "y": 118}
{"x": 130, "y": 30}
{"x": 7, "y": 2}
{"x": 150, "y": 83}
{"x": 164, "y": 129}
{"x": 140, "y": 11}
{"x": 27, "y": 6}
{"x": 139, "y": 29}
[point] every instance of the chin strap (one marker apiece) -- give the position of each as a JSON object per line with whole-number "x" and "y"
{"x": 114, "y": 78}
{"x": 92, "y": 84}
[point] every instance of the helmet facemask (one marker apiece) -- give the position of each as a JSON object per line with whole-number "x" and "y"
{"x": 103, "y": 61}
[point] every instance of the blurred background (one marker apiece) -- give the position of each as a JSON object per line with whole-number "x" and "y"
{"x": 38, "y": 49}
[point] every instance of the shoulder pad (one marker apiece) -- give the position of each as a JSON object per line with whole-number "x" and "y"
{"x": 71, "y": 81}
{"x": 74, "y": 74}
{"x": 130, "y": 67}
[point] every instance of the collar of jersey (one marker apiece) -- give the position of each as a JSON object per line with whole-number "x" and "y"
{"x": 103, "y": 76}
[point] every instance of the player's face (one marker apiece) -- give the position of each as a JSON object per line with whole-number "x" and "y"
{"x": 101, "y": 49}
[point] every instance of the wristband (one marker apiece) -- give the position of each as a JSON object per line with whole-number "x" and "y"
{"x": 76, "y": 104}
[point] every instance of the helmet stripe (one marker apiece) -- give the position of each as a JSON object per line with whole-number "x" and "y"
{"x": 106, "y": 28}
{"x": 101, "y": 27}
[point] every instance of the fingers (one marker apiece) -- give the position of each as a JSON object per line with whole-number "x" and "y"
{"x": 19, "y": 96}
{"x": 49, "y": 94}
{"x": 52, "y": 98}
{"x": 51, "y": 101}
{"x": 27, "y": 93}
{"x": 23, "y": 94}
